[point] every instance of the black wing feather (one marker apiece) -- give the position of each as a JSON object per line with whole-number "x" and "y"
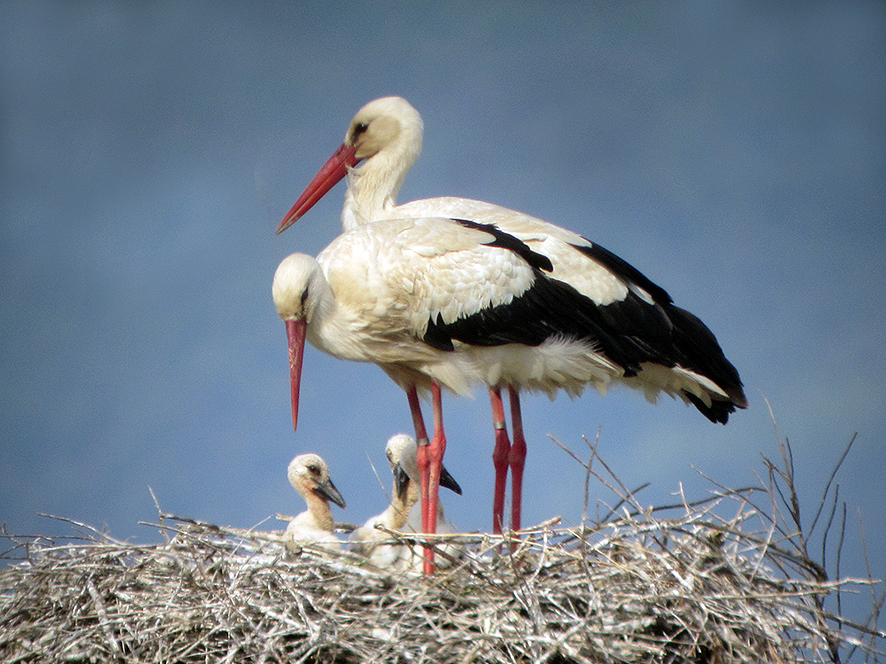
{"x": 511, "y": 243}
{"x": 628, "y": 332}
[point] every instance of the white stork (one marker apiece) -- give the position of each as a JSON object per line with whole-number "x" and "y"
{"x": 408, "y": 462}
{"x": 368, "y": 540}
{"x": 403, "y": 513}
{"x": 309, "y": 476}
{"x": 621, "y": 326}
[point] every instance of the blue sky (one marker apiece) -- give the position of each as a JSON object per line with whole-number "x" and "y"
{"x": 735, "y": 153}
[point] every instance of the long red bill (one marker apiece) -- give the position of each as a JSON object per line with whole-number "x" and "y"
{"x": 331, "y": 173}
{"x": 295, "y": 332}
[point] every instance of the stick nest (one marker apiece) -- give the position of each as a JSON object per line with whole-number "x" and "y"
{"x": 674, "y": 584}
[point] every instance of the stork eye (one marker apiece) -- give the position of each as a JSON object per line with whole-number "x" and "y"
{"x": 314, "y": 470}
{"x": 359, "y": 128}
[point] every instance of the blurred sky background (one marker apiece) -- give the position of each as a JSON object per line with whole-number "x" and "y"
{"x": 733, "y": 152}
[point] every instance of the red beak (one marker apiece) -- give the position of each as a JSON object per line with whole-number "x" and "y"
{"x": 295, "y": 332}
{"x": 331, "y": 173}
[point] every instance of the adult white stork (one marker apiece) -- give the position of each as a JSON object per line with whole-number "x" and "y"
{"x": 442, "y": 302}
{"x": 386, "y": 134}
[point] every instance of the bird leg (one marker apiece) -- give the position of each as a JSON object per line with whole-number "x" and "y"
{"x": 422, "y": 442}
{"x": 516, "y": 458}
{"x": 421, "y": 435}
{"x": 500, "y": 456}
{"x": 430, "y": 463}
{"x": 435, "y": 454}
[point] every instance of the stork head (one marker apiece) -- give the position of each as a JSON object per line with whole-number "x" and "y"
{"x": 394, "y": 449}
{"x": 383, "y": 123}
{"x": 297, "y": 283}
{"x": 388, "y": 126}
{"x": 308, "y": 473}
{"x": 401, "y": 451}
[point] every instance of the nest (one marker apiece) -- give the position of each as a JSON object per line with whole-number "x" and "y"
{"x": 678, "y": 583}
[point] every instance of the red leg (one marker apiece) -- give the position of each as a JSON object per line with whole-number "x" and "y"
{"x": 517, "y": 457}
{"x": 500, "y": 455}
{"x": 421, "y": 438}
{"x": 435, "y": 456}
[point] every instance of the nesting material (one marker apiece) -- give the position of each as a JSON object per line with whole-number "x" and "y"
{"x": 680, "y": 584}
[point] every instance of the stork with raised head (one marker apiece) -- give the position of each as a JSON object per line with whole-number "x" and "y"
{"x": 386, "y": 134}
{"x": 401, "y": 513}
{"x": 309, "y": 476}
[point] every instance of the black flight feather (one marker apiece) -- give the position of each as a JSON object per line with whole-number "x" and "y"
{"x": 628, "y": 332}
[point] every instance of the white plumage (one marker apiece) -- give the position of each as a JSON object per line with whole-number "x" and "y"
{"x": 370, "y": 541}
{"x": 403, "y": 514}
{"x": 309, "y": 476}
{"x": 452, "y": 551}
